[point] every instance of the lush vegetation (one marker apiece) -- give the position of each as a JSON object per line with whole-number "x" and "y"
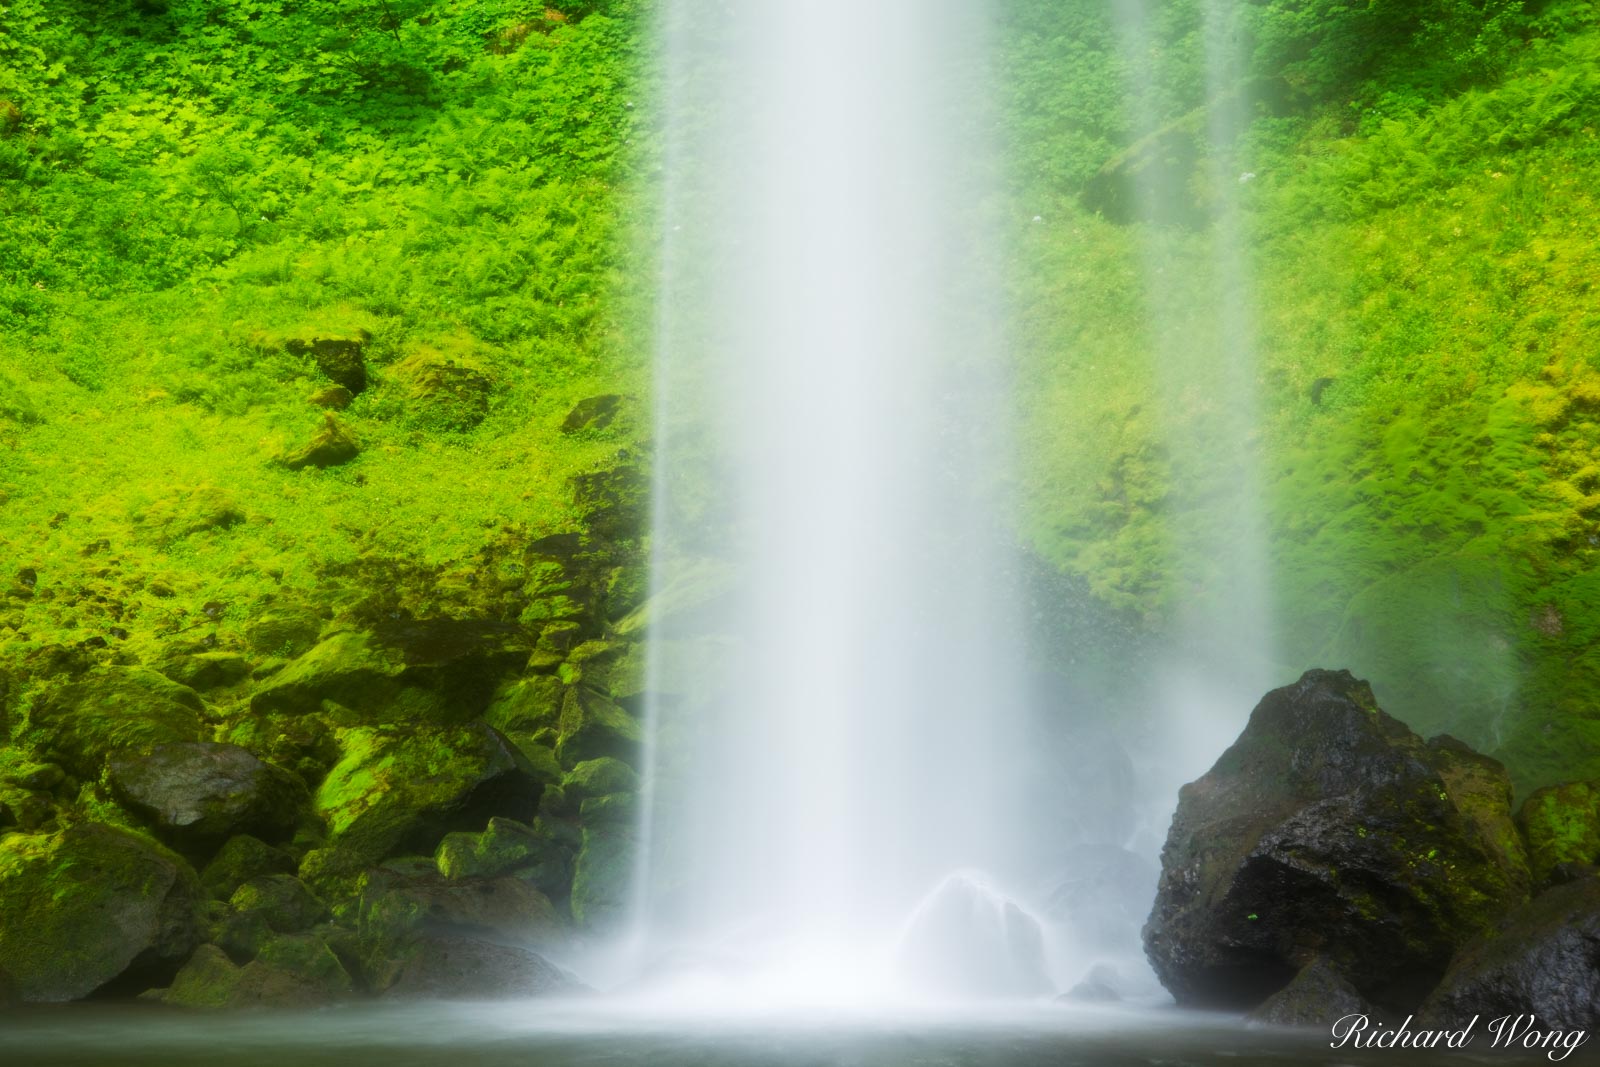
{"x": 194, "y": 192}
{"x": 1418, "y": 204}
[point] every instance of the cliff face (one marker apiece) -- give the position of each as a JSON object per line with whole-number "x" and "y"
{"x": 1416, "y": 208}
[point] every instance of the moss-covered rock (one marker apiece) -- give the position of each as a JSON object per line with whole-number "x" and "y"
{"x": 206, "y": 670}
{"x": 284, "y": 903}
{"x": 1562, "y": 827}
{"x": 117, "y": 708}
{"x": 348, "y": 668}
{"x": 445, "y": 389}
{"x": 592, "y": 726}
{"x": 602, "y": 879}
{"x": 434, "y": 670}
{"x": 504, "y": 847}
{"x": 1328, "y": 829}
{"x": 91, "y": 907}
{"x": 290, "y": 971}
{"x": 197, "y": 794}
{"x": 527, "y": 705}
{"x": 241, "y": 859}
{"x": 598, "y": 777}
{"x": 332, "y": 445}
{"x": 402, "y": 790}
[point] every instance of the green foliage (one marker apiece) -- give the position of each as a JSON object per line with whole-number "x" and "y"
{"x": 1421, "y": 289}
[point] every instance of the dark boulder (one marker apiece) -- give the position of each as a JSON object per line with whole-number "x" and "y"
{"x": 1330, "y": 829}
{"x": 198, "y": 794}
{"x": 1543, "y": 960}
{"x": 592, "y": 413}
{"x": 1316, "y": 997}
{"x": 93, "y": 908}
{"x": 461, "y": 967}
{"x": 340, "y": 359}
{"x": 330, "y": 446}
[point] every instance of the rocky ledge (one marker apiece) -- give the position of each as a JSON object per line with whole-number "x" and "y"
{"x": 1332, "y": 862}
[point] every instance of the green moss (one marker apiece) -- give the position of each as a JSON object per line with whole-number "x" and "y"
{"x": 1562, "y": 827}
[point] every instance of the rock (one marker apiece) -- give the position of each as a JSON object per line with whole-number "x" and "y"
{"x": 284, "y": 903}
{"x": 614, "y": 503}
{"x": 504, "y": 847}
{"x": 471, "y": 968}
{"x": 602, "y": 878}
{"x": 341, "y": 359}
{"x": 1543, "y": 960}
{"x": 186, "y": 512}
{"x": 404, "y": 670}
{"x": 93, "y": 907}
{"x": 283, "y": 631}
{"x": 1327, "y": 829}
{"x": 967, "y": 939}
{"x": 599, "y": 777}
{"x": 445, "y": 390}
{"x": 399, "y": 791}
{"x": 293, "y": 971}
{"x": 1480, "y": 789}
{"x": 1316, "y": 997}
{"x": 592, "y": 413}
{"x": 1099, "y": 986}
{"x": 330, "y": 446}
{"x": 527, "y": 705}
{"x": 592, "y": 727}
{"x": 332, "y": 397}
{"x": 1562, "y": 827}
{"x": 116, "y": 708}
{"x": 401, "y": 901}
{"x": 197, "y": 794}
{"x": 206, "y": 670}
{"x": 241, "y": 859}
{"x": 348, "y": 668}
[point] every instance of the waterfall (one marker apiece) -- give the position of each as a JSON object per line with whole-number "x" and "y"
{"x": 1187, "y": 182}
{"x": 836, "y": 721}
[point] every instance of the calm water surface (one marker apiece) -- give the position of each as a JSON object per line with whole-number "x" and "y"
{"x": 556, "y": 1034}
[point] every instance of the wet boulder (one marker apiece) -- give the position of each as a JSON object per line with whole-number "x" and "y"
{"x": 93, "y": 907}
{"x": 197, "y": 794}
{"x": 399, "y": 791}
{"x": 114, "y": 709}
{"x": 1329, "y": 829}
{"x": 1562, "y": 827}
{"x": 462, "y": 967}
{"x": 1543, "y": 960}
{"x": 1314, "y": 998}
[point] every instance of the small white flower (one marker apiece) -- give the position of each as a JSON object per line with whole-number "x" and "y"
{"x": 1247, "y": 176}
